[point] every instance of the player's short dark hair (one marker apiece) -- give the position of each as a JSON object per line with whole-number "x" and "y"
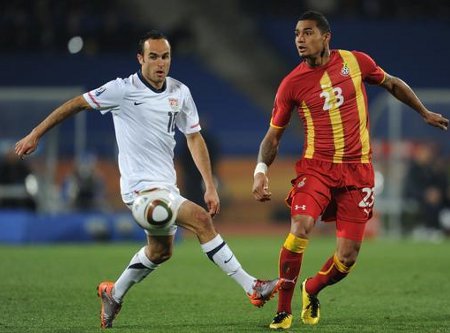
{"x": 319, "y": 18}
{"x": 153, "y": 34}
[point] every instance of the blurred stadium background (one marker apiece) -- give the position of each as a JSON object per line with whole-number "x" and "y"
{"x": 232, "y": 54}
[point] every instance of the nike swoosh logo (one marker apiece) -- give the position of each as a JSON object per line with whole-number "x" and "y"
{"x": 137, "y": 103}
{"x": 228, "y": 260}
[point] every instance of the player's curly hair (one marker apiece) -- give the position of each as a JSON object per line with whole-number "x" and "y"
{"x": 153, "y": 34}
{"x": 319, "y": 18}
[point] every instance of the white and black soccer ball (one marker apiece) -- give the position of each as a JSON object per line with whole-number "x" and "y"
{"x": 153, "y": 210}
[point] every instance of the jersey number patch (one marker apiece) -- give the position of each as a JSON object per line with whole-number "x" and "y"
{"x": 333, "y": 98}
{"x": 171, "y": 124}
{"x": 368, "y": 199}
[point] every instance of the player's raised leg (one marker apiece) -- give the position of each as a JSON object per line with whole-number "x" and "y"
{"x": 196, "y": 219}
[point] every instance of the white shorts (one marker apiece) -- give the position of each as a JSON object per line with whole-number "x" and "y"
{"x": 176, "y": 204}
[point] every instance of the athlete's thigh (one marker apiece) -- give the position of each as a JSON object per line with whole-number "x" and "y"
{"x": 355, "y": 198}
{"x": 353, "y": 231}
{"x": 309, "y": 196}
{"x": 354, "y": 209}
{"x": 354, "y": 205}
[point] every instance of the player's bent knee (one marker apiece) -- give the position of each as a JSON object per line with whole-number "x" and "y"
{"x": 302, "y": 225}
{"x": 203, "y": 222}
{"x": 348, "y": 261}
{"x": 348, "y": 255}
{"x": 199, "y": 222}
{"x": 196, "y": 219}
{"x": 159, "y": 258}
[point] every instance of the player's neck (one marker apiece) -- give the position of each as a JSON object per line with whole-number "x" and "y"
{"x": 319, "y": 60}
{"x": 155, "y": 86}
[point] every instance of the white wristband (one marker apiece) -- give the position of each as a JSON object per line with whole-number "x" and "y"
{"x": 261, "y": 167}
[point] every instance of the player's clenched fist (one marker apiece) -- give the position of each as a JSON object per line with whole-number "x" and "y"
{"x": 261, "y": 187}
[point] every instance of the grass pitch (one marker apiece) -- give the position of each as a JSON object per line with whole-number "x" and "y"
{"x": 397, "y": 286}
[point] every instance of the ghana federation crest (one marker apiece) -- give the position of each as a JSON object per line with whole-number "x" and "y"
{"x": 345, "y": 71}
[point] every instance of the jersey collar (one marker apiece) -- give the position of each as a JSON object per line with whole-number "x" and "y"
{"x": 144, "y": 81}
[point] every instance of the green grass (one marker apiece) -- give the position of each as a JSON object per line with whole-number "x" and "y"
{"x": 395, "y": 287}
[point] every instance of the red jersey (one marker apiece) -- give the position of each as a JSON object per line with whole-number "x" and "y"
{"x": 331, "y": 101}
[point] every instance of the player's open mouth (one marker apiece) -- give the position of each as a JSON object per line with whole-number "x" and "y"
{"x": 301, "y": 49}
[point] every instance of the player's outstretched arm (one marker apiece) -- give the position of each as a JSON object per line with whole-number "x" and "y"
{"x": 29, "y": 143}
{"x": 267, "y": 152}
{"x": 400, "y": 90}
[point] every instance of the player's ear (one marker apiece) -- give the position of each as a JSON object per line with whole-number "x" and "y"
{"x": 140, "y": 58}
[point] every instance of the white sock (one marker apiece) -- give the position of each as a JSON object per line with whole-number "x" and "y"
{"x": 138, "y": 268}
{"x": 220, "y": 253}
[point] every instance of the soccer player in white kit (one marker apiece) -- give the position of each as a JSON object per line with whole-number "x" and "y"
{"x": 146, "y": 108}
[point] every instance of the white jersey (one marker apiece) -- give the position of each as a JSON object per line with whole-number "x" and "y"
{"x": 144, "y": 123}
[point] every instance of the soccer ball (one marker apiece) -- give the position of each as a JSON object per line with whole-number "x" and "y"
{"x": 153, "y": 210}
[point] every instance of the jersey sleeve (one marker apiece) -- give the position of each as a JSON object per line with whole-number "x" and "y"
{"x": 282, "y": 106}
{"x": 107, "y": 97}
{"x": 371, "y": 72}
{"x": 187, "y": 120}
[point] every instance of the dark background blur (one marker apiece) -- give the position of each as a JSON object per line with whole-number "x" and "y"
{"x": 232, "y": 55}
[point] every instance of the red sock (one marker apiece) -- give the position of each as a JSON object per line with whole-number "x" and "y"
{"x": 289, "y": 265}
{"x": 332, "y": 272}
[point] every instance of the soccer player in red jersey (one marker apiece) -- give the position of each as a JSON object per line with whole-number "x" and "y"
{"x": 335, "y": 178}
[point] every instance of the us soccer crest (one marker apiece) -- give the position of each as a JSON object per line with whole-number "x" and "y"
{"x": 345, "y": 71}
{"x": 173, "y": 102}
